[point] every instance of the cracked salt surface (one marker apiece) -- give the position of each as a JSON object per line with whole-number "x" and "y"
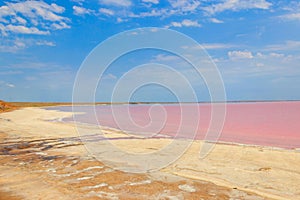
{"x": 83, "y": 170}
{"x": 187, "y": 188}
{"x": 84, "y": 178}
{"x": 102, "y": 194}
{"x": 141, "y": 182}
{"x": 96, "y": 186}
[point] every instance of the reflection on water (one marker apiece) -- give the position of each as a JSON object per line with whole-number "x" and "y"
{"x": 258, "y": 123}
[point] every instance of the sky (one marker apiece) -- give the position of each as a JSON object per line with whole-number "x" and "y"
{"x": 255, "y": 45}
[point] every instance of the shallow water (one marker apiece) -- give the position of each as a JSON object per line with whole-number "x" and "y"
{"x": 274, "y": 124}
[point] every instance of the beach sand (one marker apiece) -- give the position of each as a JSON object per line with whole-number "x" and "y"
{"x": 43, "y": 158}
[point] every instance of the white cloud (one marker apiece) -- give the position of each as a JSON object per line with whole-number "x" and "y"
{"x": 247, "y": 64}
{"x": 175, "y": 7}
{"x": 270, "y": 55}
{"x": 163, "y": 57}
{"x": 80, "y": 2}
{"x": 259, "y": 54}
{"x": 277, "y": 55}
{"x": 24, "y": 30}
{"x": 119, "y": 20}
{"x": 121, "y": 3}
{"x": 77, "y": 10}
{"x": 19, "y": 43}
{"x": 2, "y": 29}
{"x": 133, "y": 33}
{"x": 233, "y": 55}
{"x": 13, "y": 45}
{"x": 291, "y": 16}
{"x": 236, "y": 5}
{"x": 185, "y": 23}
{"x": 176, "y": 24}
{"x": 33, "y": 9}
{"x": 287, "y": 45}
{"x": 31, "y": 17}
{"x": 152, "y": 13}
{"x": 151, "y": 1}
{"x": 106, "y": 11}
{"x": 260, "y": 65}
{"x": 10, "y": 85}
{"x": 216, "y": 21}
{"x": 20, "y": 20}
{"x": 109, "y": 77}
{"x": 59, "y": 26}
{"x": 217, "y": 46}
{"x": 211, "y": 46}
{"x": 185, "y": 6}
{"x": 5, "y": 10}
{"x": 45, "y": 43}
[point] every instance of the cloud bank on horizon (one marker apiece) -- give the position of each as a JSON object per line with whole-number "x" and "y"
{"x": 254, "y": 43}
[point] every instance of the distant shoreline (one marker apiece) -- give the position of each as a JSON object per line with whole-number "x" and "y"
{"x": 18, "y": 105}
{"x": 46, "y": 104}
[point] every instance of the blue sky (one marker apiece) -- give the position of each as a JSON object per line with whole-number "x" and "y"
{"x": 254, "y": 43}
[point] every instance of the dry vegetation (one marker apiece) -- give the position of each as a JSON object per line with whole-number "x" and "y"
{"x": 4, "y": 107}
{"x": 9, "y": 106}
{"x": 38, "y": 104}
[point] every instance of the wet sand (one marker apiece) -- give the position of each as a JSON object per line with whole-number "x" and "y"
{"x": 45, "y": 159}
{"x": 8, "y": 196}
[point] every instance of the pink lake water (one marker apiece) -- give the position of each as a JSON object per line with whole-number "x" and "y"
{"x": 275, "y": 124}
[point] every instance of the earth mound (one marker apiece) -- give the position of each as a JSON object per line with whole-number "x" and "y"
{"x": 4, "y": 106}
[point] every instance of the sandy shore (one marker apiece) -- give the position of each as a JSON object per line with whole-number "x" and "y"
{"x": 45, "y": 159}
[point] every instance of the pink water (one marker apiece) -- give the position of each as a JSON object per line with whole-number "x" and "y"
{"x": 260, "y": 123}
